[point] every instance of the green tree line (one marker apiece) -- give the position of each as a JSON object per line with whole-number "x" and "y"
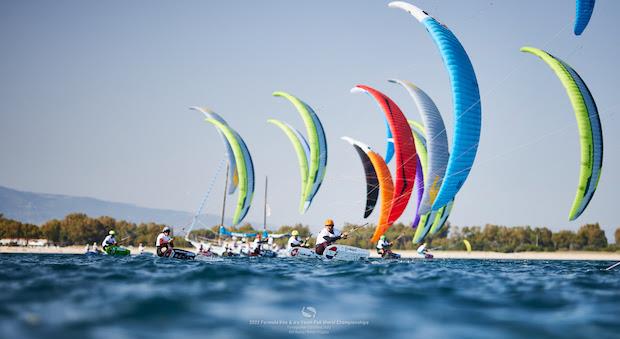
{"x": 589, "y": 237}
{"x": 495, "y": 238}
{"x": 79, "y": 229}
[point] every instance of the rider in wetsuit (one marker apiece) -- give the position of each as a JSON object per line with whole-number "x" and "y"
{"x": 257, "y": 245}
{"x": 109, "y": 240}
{"x": 328, "y": 236}
{"x": 383, "y": 247}
{"x": 294, "y": 241}
{"x": 424, "y": 252}
{"x": 164, "y": 242}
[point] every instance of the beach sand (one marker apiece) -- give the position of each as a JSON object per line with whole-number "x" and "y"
{"x": 560, "y": 255}
{"x": 66, "y": 250}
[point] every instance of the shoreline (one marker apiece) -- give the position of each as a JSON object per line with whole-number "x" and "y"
{"x": 484, "y": 255}
{"x": 487, "y": 255}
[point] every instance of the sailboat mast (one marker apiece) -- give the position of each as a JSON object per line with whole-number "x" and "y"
{"x": 265, "y": 206}
{"x": 225, "y": 193}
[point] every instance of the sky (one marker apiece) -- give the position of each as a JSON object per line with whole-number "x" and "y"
{"x": 94, "y": 101}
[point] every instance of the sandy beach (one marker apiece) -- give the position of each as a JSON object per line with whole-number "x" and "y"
{"x": 560, "y": 255}
{"x": 563, "y": 255}
{"x": 64, "y": 250}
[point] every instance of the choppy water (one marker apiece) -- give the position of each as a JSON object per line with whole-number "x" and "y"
{"x": 63, "y": 296}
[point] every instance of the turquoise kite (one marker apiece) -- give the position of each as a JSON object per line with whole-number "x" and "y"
{"x": 389, "y": 151}
{"x": 589, "y": 125}
{"x": 466, "y": 101}
{"x": 583, "y": 13}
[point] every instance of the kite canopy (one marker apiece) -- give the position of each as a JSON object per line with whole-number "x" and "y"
{"x": 441, "y": 217}
{"x": 245, "y": 169}
{"x": 467, "y": 245}
{"x": 588, "y": 123}
{"x": 424, "y": 225}
{"x": 404, "y": 151}
{"x": 465, "y": 99}
{"x": 302, "y": 149}
{"x": 233, "y": 178}
{"x": 421, "y": 166}
{"x": 431, "y": 221}
{"x": 382, "y": 180}
{"x": 389, "y": 149}
{"x": 436, "y": 143}
{"x": 386, "y": 190}
{"x": 317, "y": 144}
{"x": 583, "y": 13}
{"x": 372, "y": 180}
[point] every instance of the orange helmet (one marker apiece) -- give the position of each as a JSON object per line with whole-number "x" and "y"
{"x": 329, "y": 222}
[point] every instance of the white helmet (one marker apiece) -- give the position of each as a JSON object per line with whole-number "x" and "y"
{"x": 166, "y": 229}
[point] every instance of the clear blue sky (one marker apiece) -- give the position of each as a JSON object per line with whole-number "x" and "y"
{"x": 94, "y": 97}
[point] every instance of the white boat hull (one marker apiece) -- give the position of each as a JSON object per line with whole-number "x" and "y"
{"x": 345, "y": 253}
{"x": 302, "y": 252}
{"x": 332, "y": 252}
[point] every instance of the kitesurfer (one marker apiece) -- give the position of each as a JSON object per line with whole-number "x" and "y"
{"x": 164, "y": 242}
{"x": 228, "y": 250}
{"x": 423, "y": 251}
{"x": 257, "y": 244}
{"x": 235, "y": 246}
{"x": 328, "y": 236}
{"x": 244, "y": 247}
{"x": 141, "y": 248}
{"x": 294, "y": 241}
{"x": 383, "y": 247}
{"x": 109, "y": 240}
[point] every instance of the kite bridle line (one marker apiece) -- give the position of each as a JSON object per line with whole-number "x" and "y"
{"x": 204, "y": 199}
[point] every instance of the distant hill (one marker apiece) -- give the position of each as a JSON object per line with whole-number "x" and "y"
{"x": 37, "y": 208}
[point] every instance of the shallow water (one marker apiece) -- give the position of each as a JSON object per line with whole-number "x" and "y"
{"x": 73, "y": 296}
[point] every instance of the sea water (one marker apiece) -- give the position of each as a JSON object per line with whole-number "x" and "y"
{"x": 75, "y": 296}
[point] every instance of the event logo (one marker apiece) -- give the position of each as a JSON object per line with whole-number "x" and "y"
{"x": 308, "y": 312}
